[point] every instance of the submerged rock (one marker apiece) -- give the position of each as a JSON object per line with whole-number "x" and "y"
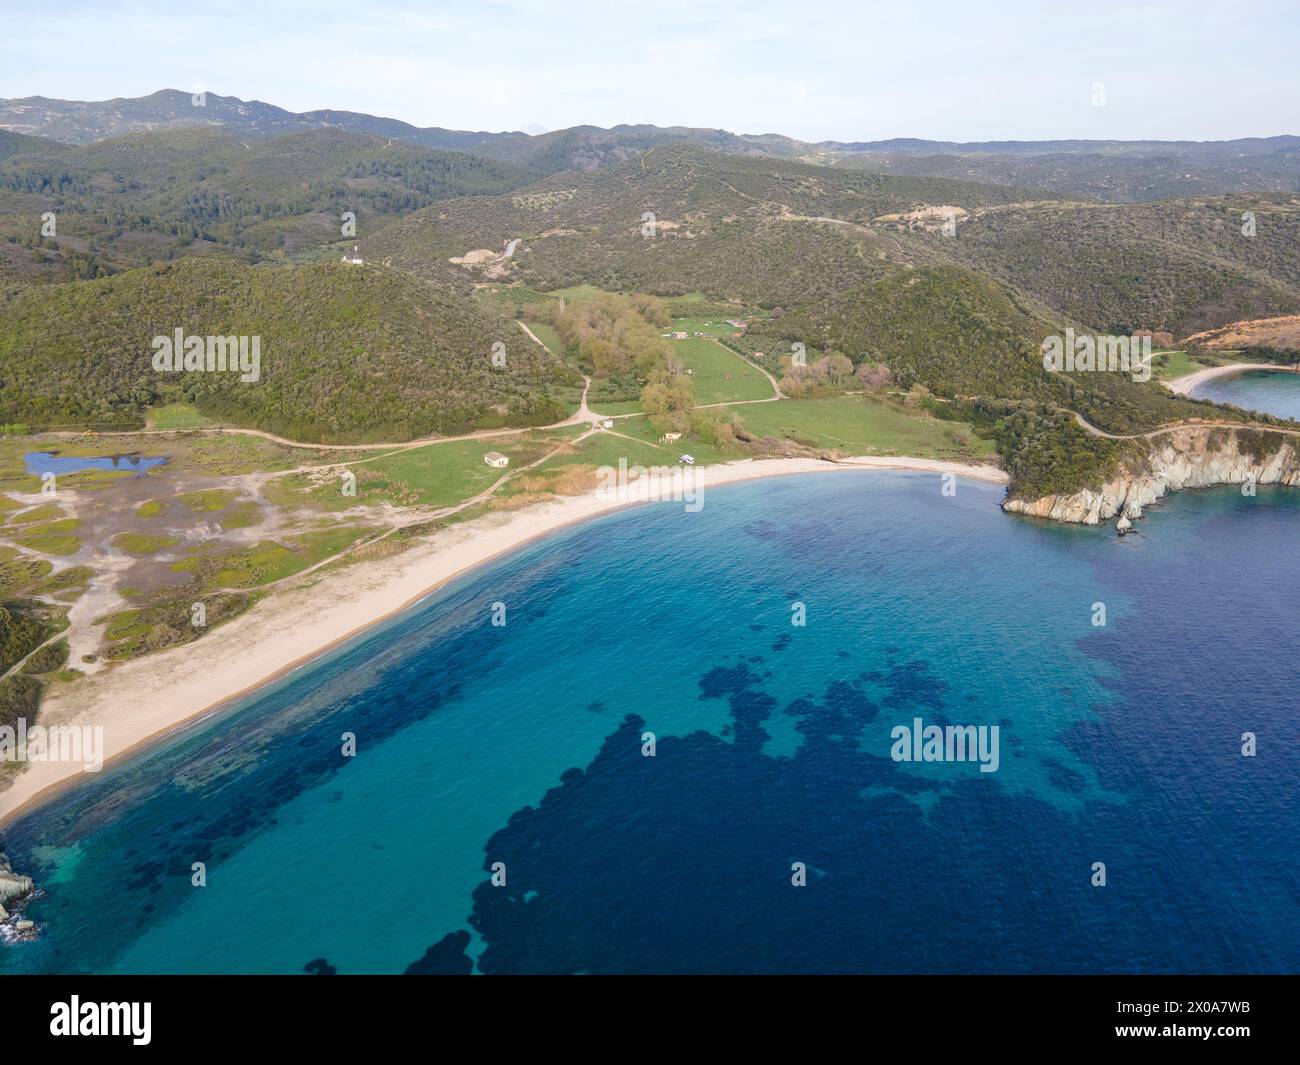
{"x": 447, "y": 957}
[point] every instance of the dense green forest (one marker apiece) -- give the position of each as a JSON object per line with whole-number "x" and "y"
{"x": 131, "y": 200}
{"x": 1179, "y": 267}
{"x": 347, "y": 353}
{"x": 976, "y": 344}
{"x": 777, "y": 233}
{"x": 681, "y": 219}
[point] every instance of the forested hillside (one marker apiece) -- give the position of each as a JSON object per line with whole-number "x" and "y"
{"x": 756, "y": 230}
{"x": 347, "y": 353}
{"x": 1116, "y": 171}
{"x": 1177, "y": 267}
{"x": 1110, "y": 170}
{"x": 131, "y": 200}
{"x": 782, "y": 234}
{"x": 975, "y": 345}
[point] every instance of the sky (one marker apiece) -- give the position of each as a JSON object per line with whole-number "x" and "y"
{"x": 812, "y": 69}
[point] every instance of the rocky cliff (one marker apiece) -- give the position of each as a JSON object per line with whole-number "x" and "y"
{"x": 13, "y": 888}
{"x": 1194, "y": 457}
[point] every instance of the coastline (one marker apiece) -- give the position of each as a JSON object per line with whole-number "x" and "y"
{"x": 1185, "y": 385}
{"x": 142, "y": 701}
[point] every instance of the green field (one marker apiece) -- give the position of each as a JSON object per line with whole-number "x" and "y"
{"x": 177, "y": 416}
{"x": 641, "y": 429}
{"x": 860, "y": 425}
{"x": 575, "y": 292}
{"x": 1171, "y": 364}
{"x": 715, "y": 327}
{"x": 548, "y": 336}
{"x": 720, "y": 375}
{"x": 630, "y": 406}
{"x": 606, "y": 449}
{"x": 444, "y": 474}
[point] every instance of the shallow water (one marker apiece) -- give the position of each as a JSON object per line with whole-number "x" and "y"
{"x": 525, "y": 745}
{"x": 42, "y": 462}
{"x": 1276, "y": 393}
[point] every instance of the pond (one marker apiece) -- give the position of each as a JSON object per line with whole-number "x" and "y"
{"x": 43, "y": 462}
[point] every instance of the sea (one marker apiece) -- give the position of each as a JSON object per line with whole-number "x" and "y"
{"x": 668, "y": 741}
{"x": 1264, "y": 390}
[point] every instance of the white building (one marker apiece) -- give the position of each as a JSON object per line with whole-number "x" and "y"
{"x": 496, "y": 460}
{"x": 354, "y": 257}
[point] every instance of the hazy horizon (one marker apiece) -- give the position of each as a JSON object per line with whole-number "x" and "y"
{"x": 831, "y": 70}
{"x": 538, "y": 130}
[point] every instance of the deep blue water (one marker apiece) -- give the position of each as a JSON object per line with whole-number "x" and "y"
{"x": 523, "y": 745}
{"x": 42, "y": 462}
{"x": 1263, "y": 390}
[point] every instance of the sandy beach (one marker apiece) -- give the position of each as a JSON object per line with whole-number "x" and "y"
{"x": 144, "y": 699}
{"x": 1186, "y": 384}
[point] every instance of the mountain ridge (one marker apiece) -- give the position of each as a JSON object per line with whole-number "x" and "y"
{"x": 1115, "y": 170}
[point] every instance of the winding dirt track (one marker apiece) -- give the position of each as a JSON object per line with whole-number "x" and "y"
{"x": 581, "y": 416}
{"x": 1191, "y": 423}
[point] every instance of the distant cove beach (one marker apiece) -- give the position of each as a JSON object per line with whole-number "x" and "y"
{"x": 144, "y": 699}
{"x": 1188, "y": 383}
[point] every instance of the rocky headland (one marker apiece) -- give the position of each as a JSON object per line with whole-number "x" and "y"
{"x": 1190, "y": 457}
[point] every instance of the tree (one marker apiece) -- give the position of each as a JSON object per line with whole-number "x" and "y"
{"x": 875, "y": 377}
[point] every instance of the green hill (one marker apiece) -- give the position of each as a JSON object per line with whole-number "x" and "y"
{"x": 975, "y": 344}
{"x": 19, "y": 144}
{"x": 1116, "y": 171}
{"x": 948, "y": 328}
{"x": 968, "y": 337}
{"x": 762, "y": 231}
{"x": 131, "y": 200}
{"x": 347, "y": 353}
{"x": 1179, "y": 266}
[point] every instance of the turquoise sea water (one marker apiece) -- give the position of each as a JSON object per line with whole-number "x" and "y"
{"x": 1263, "y": 390}
{"x": 523, "y": 744}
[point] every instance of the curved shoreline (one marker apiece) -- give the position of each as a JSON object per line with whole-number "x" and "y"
{"x": 1188, "y": 383}
{"x": 142, "y": 702}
